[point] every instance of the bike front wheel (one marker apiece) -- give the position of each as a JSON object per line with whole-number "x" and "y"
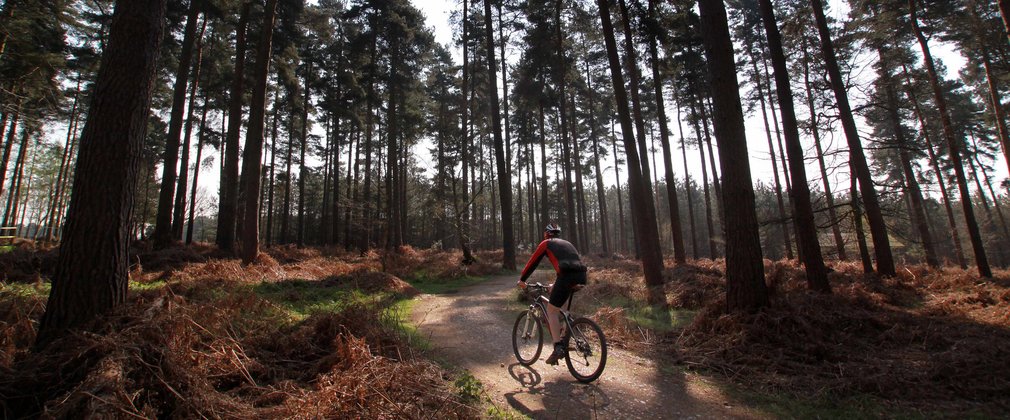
{"x": 587, "y": 350}
{"x": 527, "y": 338}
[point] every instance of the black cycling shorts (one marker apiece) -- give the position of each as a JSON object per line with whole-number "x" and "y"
{"x": 563, "y": 287}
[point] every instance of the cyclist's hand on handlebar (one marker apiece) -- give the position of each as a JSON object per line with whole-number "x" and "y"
{"x": 521, "y": 284}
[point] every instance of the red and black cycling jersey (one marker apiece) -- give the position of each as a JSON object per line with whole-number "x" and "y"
{"x": 562, "y": 254}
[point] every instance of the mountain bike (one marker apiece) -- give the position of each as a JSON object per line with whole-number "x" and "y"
{"x": 586, "y": 354}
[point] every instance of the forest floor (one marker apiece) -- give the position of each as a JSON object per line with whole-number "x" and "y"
{"x": 323, "y": 333}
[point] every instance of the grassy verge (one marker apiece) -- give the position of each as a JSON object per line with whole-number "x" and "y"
{"x": 471, "y": 390}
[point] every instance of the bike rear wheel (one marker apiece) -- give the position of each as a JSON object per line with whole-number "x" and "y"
{"x": 527, "y": 338}
{"x": 587, "y": 350}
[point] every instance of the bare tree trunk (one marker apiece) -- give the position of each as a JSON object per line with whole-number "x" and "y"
{"x": 704, "y": 177}
{"x": 601, "y": 194}
{"x": 269, "y": 238}
{"x": 641, "y": 196}
{"x": 14, "y": 193}
{"x": 836, "y": 230}
{"x": 9, "y": 144}
{"x": 301, "y": 161}
{"x": 163, "y": 225}
{"x": 810, "y": 248}
{"x": 783, "y": 217}
{"x": 254, "y": 139}
{"x": 504, "y": 177}
{"x": 857, "y": 223}
{"x": 745, "y": 285}
{"x": 179, "y": 213}
{"x": 91, "y": 275}
{"x": 935, "y": 163}
{"x": 911, "y": 184}
{"x": 953, "y": 149}
{"x": 687, "y": 179}
{"x": 997, "y": 108}
{"x": 196, "y": 173}
{"x": 623, "y": 233}
{"x": 631, "y": 61}
{"x": 228, "y": 207}
{"x": 679, "y": 254}
{"x": 878, "y": 229}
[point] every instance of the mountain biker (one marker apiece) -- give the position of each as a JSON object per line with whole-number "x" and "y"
{"x": 570, "y": 271}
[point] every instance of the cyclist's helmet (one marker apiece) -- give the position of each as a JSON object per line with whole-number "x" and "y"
{"x": 552, "y": 229}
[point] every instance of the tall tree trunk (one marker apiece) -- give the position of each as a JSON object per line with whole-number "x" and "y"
{"x": 997, "y": 108}
{"x": 623, "y": 233}
{"x": 992, "y": 192}
{"x": 393, "y": 239}
{"x": 745, "y": 286}
{"x": 14, "y": 193}
{"x": 273, "y": 176}
{"x": 9, "y": 144}
{"x": 857, "y": 223}
{"x": 335, "y": 191}
{"x": 953, "y": 149}
{"x": 254, "y": 139}
{"x": 679, "y": 254}
{"x": 301, "y": 161}
{"x": 561, "y": 76}
{"x": 544, "y": 204}
{"x": 696, "y": 119}
{"x": 641, "y": 196}
{"x": 64, "y": 166}
{"x": 817, "y": 275}
{"x": 163, "y": 222}
{"x": 631, "y": 61}
{"x": 461, "y": 214}
{"x": 836, "y": 230}
{"x": 580, "y": 189}
{"x": 878, "y": 230}
{"x": 601, "y": 195}
{"x": 179, "y": 213}
{"x": 935, "y": 163}
{"x": 285, "y": 233}
{"x": 687, "y": 179}
{"x": 783, "y": 217}
{"x": 196, "y": 173}
{"x": 504, "y": 177}
{"x": 228, "y": 206}
{"x": 911, "y": 184}
{"x": 716, "y": 184}
{"x": 91, "y": 275}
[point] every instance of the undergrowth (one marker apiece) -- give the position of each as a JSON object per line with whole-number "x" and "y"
{"x": 303, "y": 333}
{"x": 922, "y": 344}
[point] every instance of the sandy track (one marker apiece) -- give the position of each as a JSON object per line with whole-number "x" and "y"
{"x": 471, "y": 329}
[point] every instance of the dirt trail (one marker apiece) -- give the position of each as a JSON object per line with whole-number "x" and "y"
{"x": 472, "y": 329}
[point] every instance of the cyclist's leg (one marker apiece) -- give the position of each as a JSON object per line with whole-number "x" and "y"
{"x": 560, "y": 294}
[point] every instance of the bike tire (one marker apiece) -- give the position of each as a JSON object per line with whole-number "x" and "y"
{"x": 587, "y": 350}
{"x": 527, "y": 338}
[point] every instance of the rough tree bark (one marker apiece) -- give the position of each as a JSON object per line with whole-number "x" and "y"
{"x": 745, "y": 285}
{"x": 228, "y": 206}
{"x": 254, "y": 139}
{"x": 91, "y": 273}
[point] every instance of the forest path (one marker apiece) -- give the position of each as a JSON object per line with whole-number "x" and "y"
{"x": 471, "y": 329}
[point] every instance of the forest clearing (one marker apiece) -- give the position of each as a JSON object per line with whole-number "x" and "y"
{"x": 321, "y": 333}
{"x": 315, "y": 208}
